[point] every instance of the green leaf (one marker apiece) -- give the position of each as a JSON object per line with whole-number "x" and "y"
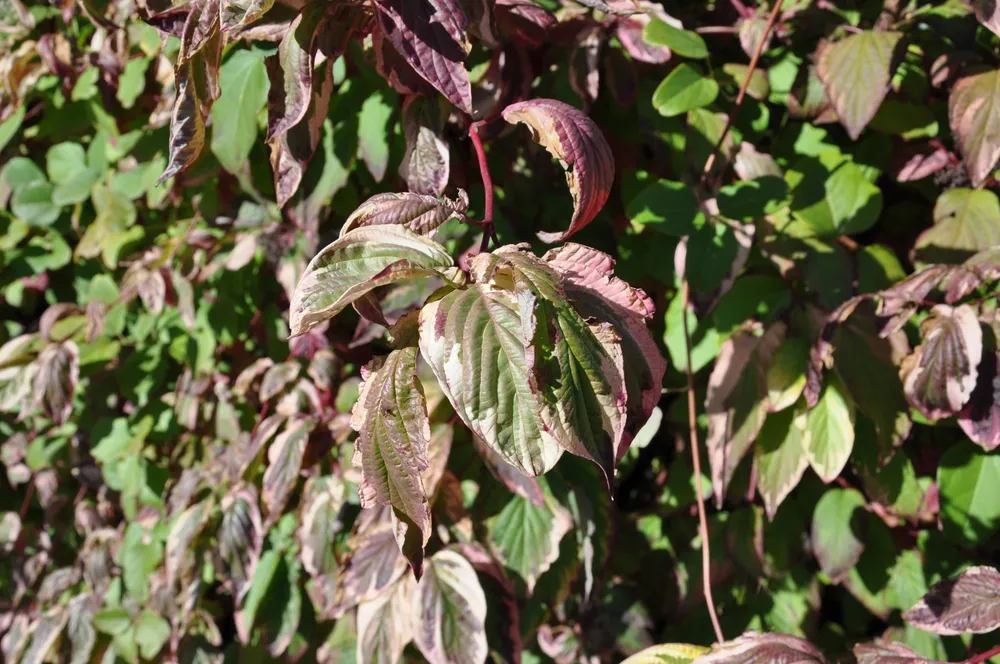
{"x": 668, "y": 653}
{"x": 682, "y": 42}
{"x": 239, "y": 13}
{"x": 452, "y": 609}
{"x": 975, "y": 121}
{"x": 244, "y": 85}
{"x": 761, "y": 297}
{"x": 151, "y": 633}
{"x": 668, "y": 207}
{"x": 9, "y": 127}
{"x": 705, "y": 339}
{"x": 964, "y": 223}
{"x": 831, "y": 194}
{"x": 262, "y": 578}
{"x": 112, "y": 621}
{"x": 684, "y": 89}
{"x": 132, "y": 82}
{"x": 866, "y": 56}
{"x": 837, "y": 531}
{"x": 780, "y": 459}
{"x": 373, "y": 134}
{"x": 360, "y": 261}
{"x": 32, "y": 203}
{"x": 829, "y": 433}
{"x": 67, "y": 167}
{"x": 527, "y": 537}
{"x": 391, "y": 419}
{"x": 786, "y": 377}
{"x": 753, "y": 199}
{"x": 969, "y": 484}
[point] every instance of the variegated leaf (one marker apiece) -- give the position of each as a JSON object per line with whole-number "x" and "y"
{"x": 355, "y": 264}
{"x": 577, "y": 142}
{"x": 755, "y": 648}
{"x": 980, "y": 418}
{"x": 236, "y": 14}
{"x": 972, "y": 113}
{"x": 589, "y": 281}
{"x": 420, "y": 213}
{"x": 291, "y": 71}
{"x": 966, "y": 604}
{"x": 374, "y": 563}
{"x": 240, "y": 537}
{"x": 44, "y": 633}
{"x": 451, "y": 606}
{"x": 179, "y": 556}
{"x": 668, "y": 653}
{"x": 385, "y": 623}
{"x": 938, "y": 378}
{"x": 888, "y": 653}
{"x": 390, "y": 416}
{"x": 57, "y": 372}
{"x": 284, "y": 461}
{"x": 322, "y": 500}
{"x": 431, "y": 37}
{"x": 426, "y": 163}
{"x": 780, "y": 459}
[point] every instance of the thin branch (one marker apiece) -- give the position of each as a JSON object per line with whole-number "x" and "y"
{"x": 706, "y": 557}
{"x": 489, "y": 232}
{"x": 710, "y": 162}
{"x": 717, "y": 30}
{"x": 983, "y": 657}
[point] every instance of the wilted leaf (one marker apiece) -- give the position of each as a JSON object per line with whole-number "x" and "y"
{"x": 577, "y": 142}
{"x": 390, "y": 417}
{"x": 780, "y": 459}
{"x": 939, "y": 376}
{"x": 829, "y": 434}
{"x": 385, "y": 623}
{"x": 284, "y": 461}
{"x": 964, "y": 223}
{"x": 972, "y": 112}
{"x": 56, "y": 375}
{"x": 451, "y": 607}
{"x": 966, "y": 604}
{"x": 865, "y": 56}
{"x": 431, "y": 37}
{"x": 420, "y": 213}
{"x": 754, "y": 648}
{"x": 355, "y": 264}
{"x": 426, "y": 164}
{"x": 980, "y": 418}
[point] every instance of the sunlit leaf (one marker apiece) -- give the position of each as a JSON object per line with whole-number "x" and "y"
{"x": 829, "y": 434}
{"x": 838, "y": 531}
{"x": 426, "y": 164}
{"x": 980, "y": 418}
{"x": 386, "y": 623}
{"x": 239, "y": 13}
{"x": 577, "y": 142}
{"x": 754, "y": 648}
{"x": 375, "y": 562}
{"x": 243, "y": 88}
{"x": 667, "y": 653}
{"x": 284, "y": 461}
{"x": 974, "y": 120}
{"x": 779, "y": 456}
{"x": 966, "y": 604}
{"x": 888, "y": 653}
{"x": 451, "y": 607}
{"x": 964, "y": 223}
{"x": 684, "y": 89}
{"x": 420, "y": 213}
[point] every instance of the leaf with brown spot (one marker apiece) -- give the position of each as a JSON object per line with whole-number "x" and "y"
{"x": 577, "y": 142}
{"x": 420, "y": 213}
{"x": 938, "y": 378}
{"x": 426, "y": 163}
{"x": 974, "y": 115}
{"x": 966, "y": 604}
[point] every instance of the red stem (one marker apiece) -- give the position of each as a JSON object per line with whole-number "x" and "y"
{"x": 982, "y": 657}
{"x": 489, "y": 232}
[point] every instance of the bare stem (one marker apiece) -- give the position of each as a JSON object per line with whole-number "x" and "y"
{"x": 706, "y": 554}
{"x": 710, "y": 162}
{"x": 984, "y": 656}
{"x": 489, "y": 232}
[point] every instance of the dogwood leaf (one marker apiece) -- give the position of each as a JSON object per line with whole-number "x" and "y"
{"x": 452, "y": 609}
{"x": 966, "y": 604}
{"x": 972, "y": 112}
{"x": 420, "y": 213}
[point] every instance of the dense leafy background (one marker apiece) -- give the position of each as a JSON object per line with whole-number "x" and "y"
{"x": 178, "y": 480}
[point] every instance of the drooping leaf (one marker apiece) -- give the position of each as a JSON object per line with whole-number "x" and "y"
{"x": 44, "y": 633}
{"x": 980, "y": 418}
{"x": 526, "y": 537}
{"x": 838, "y": 537}
{"x": 451, "y": 607}
{"x": 431, "y": 37}
{"x": 420, "y": 213}
{"x": 780, "y": 459}
{"x": 584, "y": 70}
{"x": 291, "y": 71}
{"x": 964, "y": 223}
{"x": 755, "y": 648}
{"x": 588, "y": 277}
{"x": 284, "y": 461}
{"x": 974, "y": 120}
{"x": 56, "y": 376}
{"x": 391, "y": 419}
{"x": 575, "y": 140}
{"x": 966, "y": 604}
{"x": 243, "y": 87}
{"x": 386, "y": 623}
{"x": 478, "y": 341}
{"x": 426, "y": 163}
{"x": 355, "y": 264}
{"x": 829, "y": 434}
{"x": 939, "y": 376}
{"x": 865, "y": 56}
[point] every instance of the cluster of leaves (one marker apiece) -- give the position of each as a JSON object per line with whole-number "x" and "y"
{"x": 274, "y": 385}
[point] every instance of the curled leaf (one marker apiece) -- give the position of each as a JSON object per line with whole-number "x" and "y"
{"x": 577, "y": 142}
{"x": 420, "y": 213}
{"x": 426, "y": 164}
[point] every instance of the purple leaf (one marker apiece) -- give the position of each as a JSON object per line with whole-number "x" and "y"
{"x": 967, "y": 604}
{"x": 419, "y": 213}
{"x": 754, "y": 648}
{"x": 426, "y": 164}
{"x": 980, "y": 418}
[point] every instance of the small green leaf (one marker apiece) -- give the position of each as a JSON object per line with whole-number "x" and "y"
{"x": 244, "y": 86}
{"x": 832, "y": 195}
{"x": 829, "y": 435}
{"x": 151, "y": 633}
{"x": 682, "y": 42}
{"x": 373, "y": 134}
{"x": 838, "y": 531}
{"x": 684, "y": 89}
{"x": 33, "y": 204}
{"x": 112, "y": 621}
{"x": 780, "y": 459}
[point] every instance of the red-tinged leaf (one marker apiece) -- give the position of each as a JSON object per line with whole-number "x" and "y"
{"x": 965, "y": 222}
{"x": 755, "y": 648}
{"x": 915, "y": 162}
{"x": 419, "y": 213}
{"x": 236, "y": 14}
{"x": 525, "y": 21}
{"x": 374, "y": 562}
{"x": 751, "y": 32}
{"x": 431, "y": 37}
{"x": 291, "y": 71}
{"x": 451, "y": 606}
{"x": 426, "y": 164}
{"x": 589, "y": 281}
{"x": 980, "y": 418}
{"x": 578, "y": 143}
{"x": 385, "y": 624}
{"x": 201, "y": 25}
{"x": 396, "y": 70}
{"x": 750, "y": 164}
{"x": 319, "y": 523}
{"x": 481, "y": 23}
{"x": 867, "y": 56}
{"x": 966, "y": 604}
{"x": 938, "y": 378}
{"x": 284, "y": 458}
{"x": 912, "y": 290}
{"x": 630, "y": 30}
{"x": 974, "y": 115}
{"x": 888, "y": 653}
{"x": 240, "y": 538}
{"x": 56, "y": 377}
{"x": 170, "y": 21}
{"x": 988, "y": 13}
{"x": 584, "y": 71}
{"x": 515, "y": 481}
{"x": 292, "y": 150}
{"x": 979, "y": 270}
{"x": 390, "y": 416}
